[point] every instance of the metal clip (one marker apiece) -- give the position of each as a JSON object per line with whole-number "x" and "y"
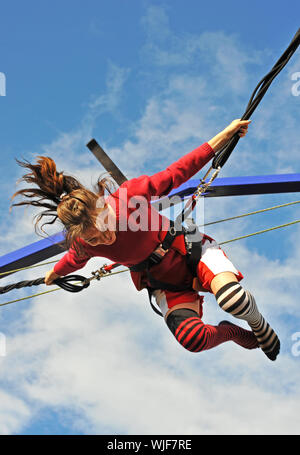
{"x": 97, "y": 275}
{"x": 172, "y": 231}
{"x": 204, "y": 185}
{"x": 160, "y": 248}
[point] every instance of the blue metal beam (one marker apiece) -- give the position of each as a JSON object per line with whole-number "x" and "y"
{"x": 32, "y": 254}
{"x": 241, "y": 186}
{"x": 228, "y": 186}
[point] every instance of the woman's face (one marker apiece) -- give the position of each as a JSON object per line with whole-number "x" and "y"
{"x": 95, "y": 237}
{"x": 106, "y": 236}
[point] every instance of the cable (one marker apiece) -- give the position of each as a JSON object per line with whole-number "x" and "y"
{"x": 25, "y": 268}
{"x": 260, "y": 232}
{"x": 250, "y": 213}
{"x": 127, "y": 270}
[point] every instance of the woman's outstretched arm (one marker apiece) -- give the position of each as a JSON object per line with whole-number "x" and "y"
{"x": 161, "y": 183}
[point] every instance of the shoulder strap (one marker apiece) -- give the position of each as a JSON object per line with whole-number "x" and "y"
{"x": 194, "y": 248}
{"x": 150, "y": 300}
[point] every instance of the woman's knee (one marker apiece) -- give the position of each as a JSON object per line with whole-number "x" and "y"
{"x": 237, "y": 301}
{"x": 221, "y": 280}
{"x": 188, "y": 329}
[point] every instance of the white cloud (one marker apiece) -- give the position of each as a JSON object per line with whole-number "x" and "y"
{"x": 108, "y": 102}
{"x": 14, "y": 413}
{"x": 108, "y": 361}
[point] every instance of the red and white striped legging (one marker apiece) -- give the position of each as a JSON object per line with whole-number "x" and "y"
{"x": 195, "y": 336}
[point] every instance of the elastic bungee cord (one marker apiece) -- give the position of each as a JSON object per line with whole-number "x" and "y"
{"x": 63, "y": 282}
{"x": 223, "y": 155}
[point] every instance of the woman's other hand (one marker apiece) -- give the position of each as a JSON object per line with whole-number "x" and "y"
{"x": 50, "y": 277}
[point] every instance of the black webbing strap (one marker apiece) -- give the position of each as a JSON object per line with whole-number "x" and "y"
{"x": 193, "y": 256}
{"x": 150, "y": 300}
{"x": 155, "y": 258}
{"x": 157, "y": 284}
{"x": 194, "y": 248}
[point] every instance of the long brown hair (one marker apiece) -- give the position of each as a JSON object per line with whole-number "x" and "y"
{"x": 64, "y": 198}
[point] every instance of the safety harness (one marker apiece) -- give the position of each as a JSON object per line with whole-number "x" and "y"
{"x": 193, "y": 256}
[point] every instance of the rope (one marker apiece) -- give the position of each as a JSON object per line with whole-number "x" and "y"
{"x": 8, "y": 272}
{"x": 21, "y": 284}
{"x": 251, "y": 213}
{"x": 29, "y": 297}
{"x": 201, "y": 225}
{"x": 56, "y": 289}
{"x": 64, "y": 283}
{"x": 260, "y": 232}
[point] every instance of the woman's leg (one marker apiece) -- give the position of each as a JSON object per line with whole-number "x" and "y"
{"x": 241, "y": 304}
{"x": 184, "y": 321}
{"x": 217, "y": 274}
{"x": 195, "y": 336}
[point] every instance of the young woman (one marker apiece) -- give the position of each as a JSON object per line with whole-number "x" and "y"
{"x": 112, "y": 227}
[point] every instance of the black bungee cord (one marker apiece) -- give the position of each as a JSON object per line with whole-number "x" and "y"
{"x": 222, "y": 156}
{"x": 63, "y": 282}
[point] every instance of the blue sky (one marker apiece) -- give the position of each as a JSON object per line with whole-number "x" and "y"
{"x": 150, "y": 80}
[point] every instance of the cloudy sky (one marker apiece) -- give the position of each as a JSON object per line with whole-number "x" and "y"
{"x": 150, "y": 80}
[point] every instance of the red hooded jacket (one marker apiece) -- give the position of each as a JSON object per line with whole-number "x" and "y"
{"x": 142, "y": 235}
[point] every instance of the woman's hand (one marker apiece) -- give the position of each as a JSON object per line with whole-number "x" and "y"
{"x": 50, "y": 277}
{"x": 235, "y": 126}
{"x": 224, "y": 137}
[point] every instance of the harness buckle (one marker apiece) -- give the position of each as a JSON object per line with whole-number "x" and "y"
{"x": 160, "y": 248}
{"x": 172, "y": 231}
{"x": 157, "y": 255}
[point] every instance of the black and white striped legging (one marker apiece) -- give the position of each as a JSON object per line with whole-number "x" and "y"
{"x": 241, "y": 304}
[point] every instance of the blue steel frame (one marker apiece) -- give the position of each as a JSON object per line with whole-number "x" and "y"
{"x": 229, "y": 186}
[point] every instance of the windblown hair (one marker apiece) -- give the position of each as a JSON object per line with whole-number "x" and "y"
{"x": 63, "y": 197}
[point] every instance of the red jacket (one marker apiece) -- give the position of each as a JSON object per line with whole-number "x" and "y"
{"x": 133, "y": 246}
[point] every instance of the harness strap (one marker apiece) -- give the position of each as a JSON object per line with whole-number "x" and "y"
{"x": 193, "y": 255}
{"x": 157, "y": 255}
{"x": 157, "y": 284}
{"x": 152, "y": 306}
{"x": 194, "y": 249}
